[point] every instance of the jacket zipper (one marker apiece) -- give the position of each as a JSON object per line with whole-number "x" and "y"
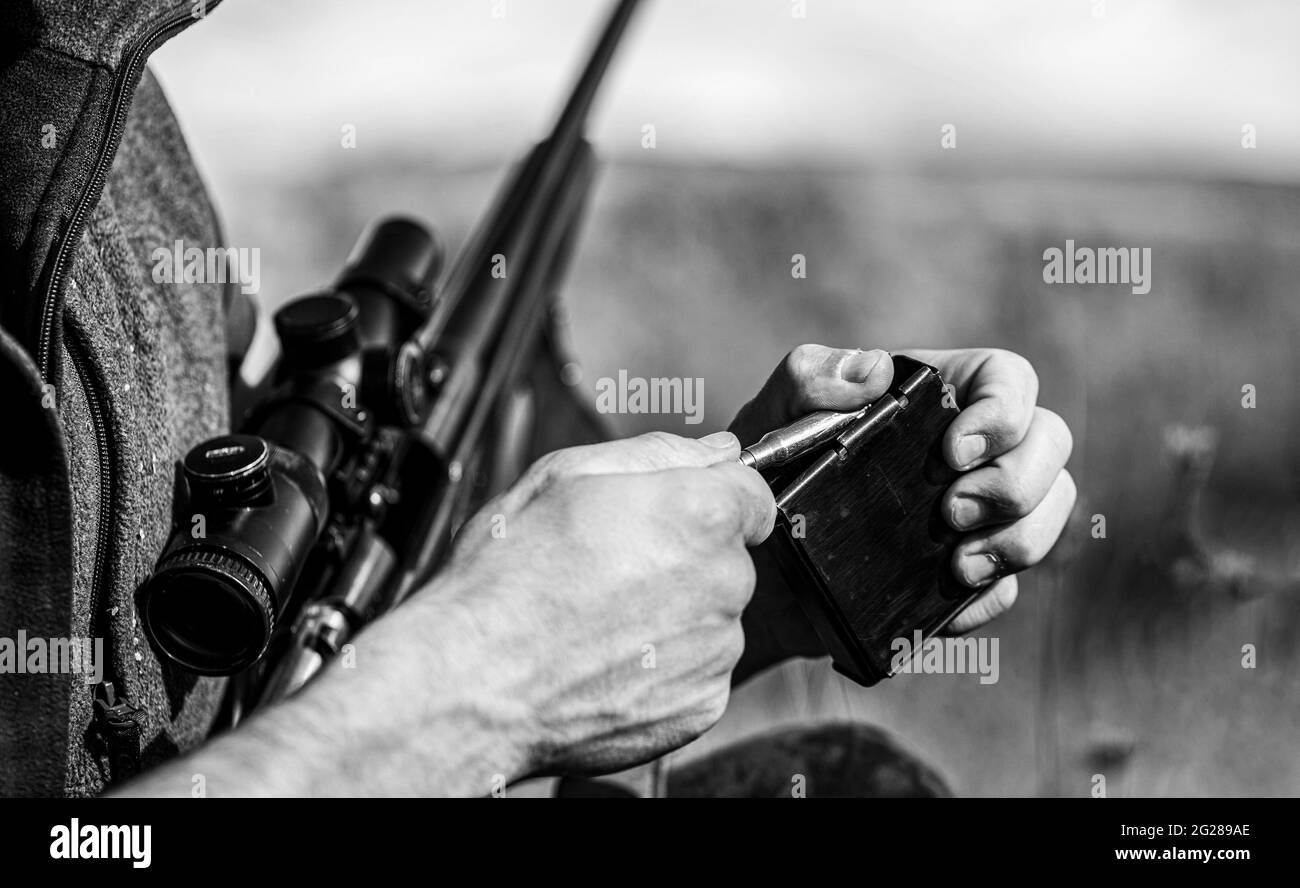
{"x": 118, "y": 108}
{"x": 116, "y": 719}
{"x": 99, "y": 420}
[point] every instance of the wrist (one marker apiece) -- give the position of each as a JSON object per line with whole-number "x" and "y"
{"x": 470, "y": 657}
{"x": 418, "y": 708}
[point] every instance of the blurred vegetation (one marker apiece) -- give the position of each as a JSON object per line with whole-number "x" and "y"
{"x": 1124, "y": 656}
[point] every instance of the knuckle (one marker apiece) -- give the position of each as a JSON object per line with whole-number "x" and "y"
{"x": 704, "y": 508}
{"x": 1021, "y": 550}
{"x": 652, "y": 450}
{"x": 1070, "y": 489}
{"x": 552, "y": 466}
{"x": 993, "y": 418}
{"x": 662, "y": 442}
{"x": 803, "y": 362}
{"x": 1011, "y": 496}
{"x": 733, "y": 647}
{"x": 735, "y": 578}
{"x": 659, "y": 437}
{"x": 1004, "y": 429}
{"x": 715, "y": 705}
{"x": 1019, "y": 365}
{"x": 1059, "y": 432}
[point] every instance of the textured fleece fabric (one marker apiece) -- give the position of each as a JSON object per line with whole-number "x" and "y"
{"x": 96, "y": 31}
{"x": 156, "y": 352}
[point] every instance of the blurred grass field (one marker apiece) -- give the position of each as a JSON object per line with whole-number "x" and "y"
{"x": 1124, "y": 655}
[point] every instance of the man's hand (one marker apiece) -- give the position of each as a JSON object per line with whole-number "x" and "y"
{"x": 588, "y": 621}
{"x": 1012, "y": 500}
{"x": 608, "y": 585}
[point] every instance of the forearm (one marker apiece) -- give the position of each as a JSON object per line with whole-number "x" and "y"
{"x": 417, "y": 714}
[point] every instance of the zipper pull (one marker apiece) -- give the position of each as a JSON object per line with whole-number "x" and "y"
{"x": 118, "y": 724}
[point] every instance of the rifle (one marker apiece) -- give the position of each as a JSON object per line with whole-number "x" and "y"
{"x": 396, "y": 407}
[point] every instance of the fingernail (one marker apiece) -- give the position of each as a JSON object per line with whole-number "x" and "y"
{"x": 857, "y": 368}
{"x": 971, "y": 448}
{"x": 721, "y": 440}
{"x": 979, "y": 570}
{"x": 966, "y": 512}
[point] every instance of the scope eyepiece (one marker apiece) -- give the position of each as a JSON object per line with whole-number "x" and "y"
{"x": 254, "y": 512}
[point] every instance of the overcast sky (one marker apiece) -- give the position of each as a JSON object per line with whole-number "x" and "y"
{"x": 1163, "y": 85}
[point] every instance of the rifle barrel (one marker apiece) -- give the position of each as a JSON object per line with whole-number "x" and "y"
{"x": 573, "y": 118}
{"x": 432, "y": 529}
{"x": 530, "y": 184}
